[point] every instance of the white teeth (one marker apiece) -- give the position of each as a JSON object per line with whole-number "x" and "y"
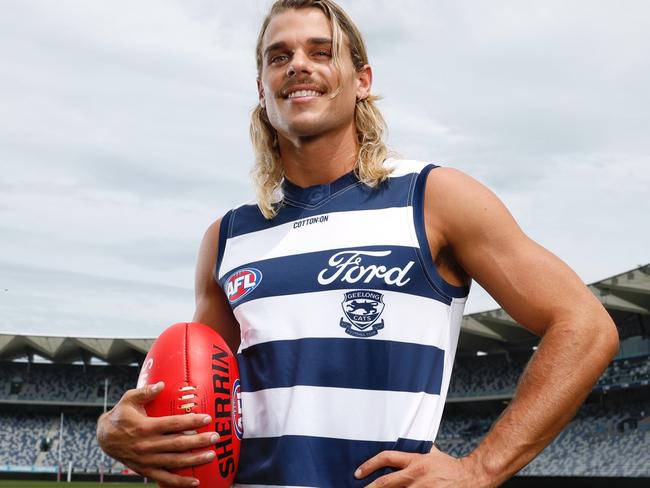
{"x": 304, "y": 93}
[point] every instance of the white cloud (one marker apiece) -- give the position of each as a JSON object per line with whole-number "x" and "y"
{"x": 59, "y": 302}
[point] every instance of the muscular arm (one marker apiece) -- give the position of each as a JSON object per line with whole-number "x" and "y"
{"x": 212, "y": 307}
{"x": 540, "y": 292}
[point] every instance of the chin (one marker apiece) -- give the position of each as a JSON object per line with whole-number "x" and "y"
{"x": 305, "y": 128}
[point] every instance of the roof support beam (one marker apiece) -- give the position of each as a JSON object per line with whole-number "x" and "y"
{"x": 615, "y": 302}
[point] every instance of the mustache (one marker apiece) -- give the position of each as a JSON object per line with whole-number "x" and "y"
{"x": 284, "y": 91}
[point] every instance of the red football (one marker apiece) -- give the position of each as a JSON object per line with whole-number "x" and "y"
{"x": 201, "y": 376}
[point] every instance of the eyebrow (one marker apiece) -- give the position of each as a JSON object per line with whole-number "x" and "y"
{"x": 312, "y": 40}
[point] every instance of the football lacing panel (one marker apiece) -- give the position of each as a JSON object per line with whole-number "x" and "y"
{"x": 189, "y": 395}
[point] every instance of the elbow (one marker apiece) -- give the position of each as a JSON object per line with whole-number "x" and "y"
{"x": 599, "y": 336}
{"x": 611, "y": 338}
{"x": 606, "y": 338}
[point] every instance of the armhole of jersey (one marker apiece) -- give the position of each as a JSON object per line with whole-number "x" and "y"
{"x": 452, "y": 291}
{"x": 224, "y": 233}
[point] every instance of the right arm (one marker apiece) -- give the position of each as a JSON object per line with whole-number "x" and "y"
{"x": 152, "y": 446}
{"x": 212, "y": 306}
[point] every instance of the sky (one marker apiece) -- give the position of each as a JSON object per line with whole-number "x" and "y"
{"x": 124, "y": 134}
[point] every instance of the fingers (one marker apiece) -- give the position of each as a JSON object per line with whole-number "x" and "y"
{"x": 394, "y": 459}
{"x": 176, "y": 443}
{"x": 397, "y": 479}
{"x": 175, "y": 460}
{"x": 177, "y": 423}
{"x": 127, "y": 435}
{"x": 165, "y": 477}
{"x": 130, "y": 415}
{"x": 173, "y": 450}
{"x": 145, "y": 394}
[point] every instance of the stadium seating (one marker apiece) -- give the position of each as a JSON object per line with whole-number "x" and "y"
{"x": 626, "y": 372}
{"x": 63, "y": 382}
{"x": 602, "y": 440}
{"x": 498, "y": 374}
{"x": 611, "y": 439}
{"x": 22, "y": 433}
{"x": 486, "y": 375}
{"x": 20, "y": 437}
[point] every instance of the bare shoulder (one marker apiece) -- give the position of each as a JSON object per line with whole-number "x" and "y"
{"x": 207, "y": 257}
{"x": 469, "y": 222}
{"x": 534, "y": 286}
{"x": 212, "y": 232}
{"x": 461, "y": 208}
{"x": 449, "y": 181}
{"x": 455, "y": 206}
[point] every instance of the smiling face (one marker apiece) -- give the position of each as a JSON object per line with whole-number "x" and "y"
{"x": 299, "y": 81}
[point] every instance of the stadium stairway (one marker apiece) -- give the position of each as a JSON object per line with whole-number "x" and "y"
{"x": 52, "y": 433}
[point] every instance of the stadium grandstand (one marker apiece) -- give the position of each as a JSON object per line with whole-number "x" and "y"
{"x": 52, "y": 389}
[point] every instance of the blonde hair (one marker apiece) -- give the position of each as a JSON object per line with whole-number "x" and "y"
{"x": 268, "y": 172}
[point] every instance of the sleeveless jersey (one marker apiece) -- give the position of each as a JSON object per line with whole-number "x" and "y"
{"x": 348, "y": 333}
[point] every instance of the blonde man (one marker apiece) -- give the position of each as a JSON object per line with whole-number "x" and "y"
{"x": 358, "y": 266}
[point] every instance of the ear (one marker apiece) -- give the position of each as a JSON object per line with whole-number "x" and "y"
{"x": 364, "y": 82}
{"x": 260, "y": 92}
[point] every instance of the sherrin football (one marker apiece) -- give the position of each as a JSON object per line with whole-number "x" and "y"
{"x": 201, "y": 376}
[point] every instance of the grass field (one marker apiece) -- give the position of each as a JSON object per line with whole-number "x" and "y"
{"x": 63, "y": 484}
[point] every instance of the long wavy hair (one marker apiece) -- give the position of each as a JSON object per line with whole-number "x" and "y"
{"x": 268, "y": 172}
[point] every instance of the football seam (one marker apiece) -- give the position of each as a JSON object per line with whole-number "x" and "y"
{"x": 186, "y": 356}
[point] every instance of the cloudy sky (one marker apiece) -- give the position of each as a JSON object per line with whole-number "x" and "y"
{"x": 124, "y": 134}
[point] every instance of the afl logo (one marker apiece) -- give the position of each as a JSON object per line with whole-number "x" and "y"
{"x": 241, "y": 283}
{"x": 236, "y": 410}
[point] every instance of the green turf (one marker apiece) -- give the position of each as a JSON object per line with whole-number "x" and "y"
{"x": 63, "y": 484}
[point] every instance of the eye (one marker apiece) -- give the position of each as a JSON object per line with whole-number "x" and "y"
{"x": 323, "y": 53}
{"x": 279, "y": 58}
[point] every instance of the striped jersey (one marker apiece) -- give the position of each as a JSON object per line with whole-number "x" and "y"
{"x": 348, "y": 333}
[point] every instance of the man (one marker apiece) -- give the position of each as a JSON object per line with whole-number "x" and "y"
{"x": 359, "y": 268}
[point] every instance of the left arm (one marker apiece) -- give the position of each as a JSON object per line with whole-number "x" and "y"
{"x": 540, "y": 292}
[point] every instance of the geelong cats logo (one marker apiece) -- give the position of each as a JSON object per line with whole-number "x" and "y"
{"x": 362, "y": 308}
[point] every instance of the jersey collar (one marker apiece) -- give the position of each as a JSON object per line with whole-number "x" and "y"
{"x": 313, "y": 195}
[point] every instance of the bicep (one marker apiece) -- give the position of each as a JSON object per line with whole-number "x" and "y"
{"x": 212, "y": 307}
{"x": 534, "y": 286}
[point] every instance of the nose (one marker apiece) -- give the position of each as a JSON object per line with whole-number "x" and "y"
{"x": 300, "y": 63}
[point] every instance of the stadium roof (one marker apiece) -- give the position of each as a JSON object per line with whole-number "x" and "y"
{"x": 626, "y": 296}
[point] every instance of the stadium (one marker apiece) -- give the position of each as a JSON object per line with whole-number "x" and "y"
{"x": 53, "y": 389}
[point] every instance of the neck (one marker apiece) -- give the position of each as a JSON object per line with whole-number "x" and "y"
{"x": 321, "y": 159}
